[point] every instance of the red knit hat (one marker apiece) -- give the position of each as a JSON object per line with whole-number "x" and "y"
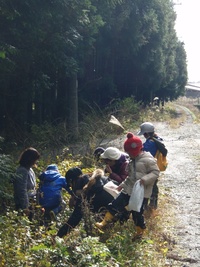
{"x": 133, "y": 145}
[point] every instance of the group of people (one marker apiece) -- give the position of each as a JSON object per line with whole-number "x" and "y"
{"x": 122, "y": 168}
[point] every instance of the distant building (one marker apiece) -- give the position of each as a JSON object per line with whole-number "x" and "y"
{"x": 192, "y": 90}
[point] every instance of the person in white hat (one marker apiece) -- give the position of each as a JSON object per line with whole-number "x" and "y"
{"x": 142, "y": 168}
{"x": 116, "y": 164}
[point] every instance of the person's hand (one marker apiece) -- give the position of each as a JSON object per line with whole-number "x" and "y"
{"x": 119, "y": 188}
{"x": 141, "y": 182}
{"x": 108, "y": 169}
{"x": 79, "y": 192}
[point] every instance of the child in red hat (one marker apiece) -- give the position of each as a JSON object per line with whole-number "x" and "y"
{"x": 142, "y": 167}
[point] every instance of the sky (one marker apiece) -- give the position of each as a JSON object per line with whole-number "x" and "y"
{"x": 187, "y": 28}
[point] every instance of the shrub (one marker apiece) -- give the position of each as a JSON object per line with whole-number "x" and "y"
{"x": 6, "y": 170}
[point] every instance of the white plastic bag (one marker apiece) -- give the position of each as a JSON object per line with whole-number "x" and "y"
{"x": 110, "y": 187}
{"x": 136, "y": 198}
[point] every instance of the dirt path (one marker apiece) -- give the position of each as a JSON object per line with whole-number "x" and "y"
{"x": 182, "y": 182}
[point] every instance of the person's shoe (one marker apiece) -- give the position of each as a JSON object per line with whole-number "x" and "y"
{"x": 139, "y": 233}
{"x": 124, "y": 216}
{"x": 64, "y": 230}
{"x": 153, "y": 203}
{"x": 107, "y": 219}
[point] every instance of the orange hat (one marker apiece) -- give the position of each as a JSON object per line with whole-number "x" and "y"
{"x": 133, "y": 145}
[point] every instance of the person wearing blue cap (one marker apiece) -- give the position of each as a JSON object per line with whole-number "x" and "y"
{"x": 147, "y": 129}
{"x": 50, "y": 192}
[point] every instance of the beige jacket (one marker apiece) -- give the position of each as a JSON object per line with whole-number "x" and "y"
{"x": 143, "y": 167}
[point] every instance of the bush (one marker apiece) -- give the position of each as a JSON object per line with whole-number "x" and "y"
{"x": 6, "y": 170}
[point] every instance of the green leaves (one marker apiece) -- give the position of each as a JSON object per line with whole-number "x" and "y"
{"x": 115, "y": 48}
{"x": 2, "y": 54}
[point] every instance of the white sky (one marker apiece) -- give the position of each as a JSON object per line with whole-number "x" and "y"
{"x": 187, "y": 27}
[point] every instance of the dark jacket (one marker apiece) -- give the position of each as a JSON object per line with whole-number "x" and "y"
{"x": 97, "y": 198}
{"x": 119, "y": 170}
{"x": 79, "y": 183}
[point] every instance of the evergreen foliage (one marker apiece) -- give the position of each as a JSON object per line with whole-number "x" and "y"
{"x": 50, "y": 52}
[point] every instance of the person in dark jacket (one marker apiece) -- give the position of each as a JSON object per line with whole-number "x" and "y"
{"x": 50, "y": 191}
{"x": 24, "y": 181}
{"x": 76, "y": 180}
{"x": 94, "y": 194}
{"x": 97, "y": 152}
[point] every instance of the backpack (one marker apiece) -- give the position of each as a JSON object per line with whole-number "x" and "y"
{"x": 161, "y": 154}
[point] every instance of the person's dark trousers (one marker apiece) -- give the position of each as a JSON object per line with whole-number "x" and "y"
{"x": 47, "y": 214}
{"x": 73, "y": 220}
{"x": 145, "y": 203}
{"x": 117, "y": 206}
{"x": 138, "y": 217}
{"x": 154, "y": 196}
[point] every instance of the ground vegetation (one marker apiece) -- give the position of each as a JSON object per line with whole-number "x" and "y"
{"x": 165, "y": 243}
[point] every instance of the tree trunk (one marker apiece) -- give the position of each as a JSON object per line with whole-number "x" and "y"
{"x": 73, "y": 105}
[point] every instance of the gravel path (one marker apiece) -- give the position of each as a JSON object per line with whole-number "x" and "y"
{"x": 181, "y": 182}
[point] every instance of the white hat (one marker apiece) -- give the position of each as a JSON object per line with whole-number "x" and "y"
{"x": 146, "y": 127}
{"x": 111, "y": 153}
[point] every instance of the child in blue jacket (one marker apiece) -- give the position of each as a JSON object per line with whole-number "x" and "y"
{"x": 50, "y": 191}
{"x": 148, "y": 131}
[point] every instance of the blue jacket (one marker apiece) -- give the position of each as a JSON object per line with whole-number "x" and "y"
{"x": 50, "y": 191}
{"x": 150, "y": 146}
